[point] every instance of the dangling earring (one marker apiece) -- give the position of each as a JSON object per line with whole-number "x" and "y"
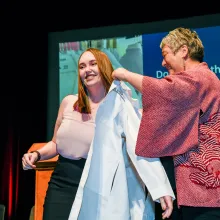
{"x": 184, "y": 66}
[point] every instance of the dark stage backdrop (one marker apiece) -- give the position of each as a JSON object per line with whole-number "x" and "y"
{"x": 23, "y": 114}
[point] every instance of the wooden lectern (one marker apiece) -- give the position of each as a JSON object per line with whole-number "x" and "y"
{"x": 43, "y": 170}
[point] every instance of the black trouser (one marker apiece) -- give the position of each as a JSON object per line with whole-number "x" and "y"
{"x": 190, "y": 213}
{"x": 200, "y": 213}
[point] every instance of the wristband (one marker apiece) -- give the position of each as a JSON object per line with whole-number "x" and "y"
{"x": 38, "y": 155}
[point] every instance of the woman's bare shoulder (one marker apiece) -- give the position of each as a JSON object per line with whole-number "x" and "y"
{"x": 69, "y": 99}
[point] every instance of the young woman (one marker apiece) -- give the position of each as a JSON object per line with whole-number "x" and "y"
{"x": 73, "y": 133}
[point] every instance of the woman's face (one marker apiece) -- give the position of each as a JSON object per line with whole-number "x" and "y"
{"x": 173, "y": 62}
{"x": 88, "y": 70}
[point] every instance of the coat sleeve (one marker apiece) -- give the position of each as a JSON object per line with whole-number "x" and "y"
{"x": 169, "y": 124}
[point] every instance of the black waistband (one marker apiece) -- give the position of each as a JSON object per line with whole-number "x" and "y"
{"x": 64, "y": 159}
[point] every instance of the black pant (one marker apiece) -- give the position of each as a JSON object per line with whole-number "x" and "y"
{"x": 190, "y": 213}
{"x": 200, "y": 213}
{"x": 62, "y": 188}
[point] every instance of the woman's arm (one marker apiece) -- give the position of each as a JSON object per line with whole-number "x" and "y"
{"x": 134, "y": 79}
{"x": 48, "y": 150}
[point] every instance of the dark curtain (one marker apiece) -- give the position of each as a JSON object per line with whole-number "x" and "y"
{"x": 9, "y": 172}
{"x": 17, "y": 185}
{"x": 23, "y": 111}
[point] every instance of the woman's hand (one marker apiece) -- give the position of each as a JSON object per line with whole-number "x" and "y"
{"x": 120, "y": 74}
{"x": 28, "y": 160}
{"x": 166, "y": 205}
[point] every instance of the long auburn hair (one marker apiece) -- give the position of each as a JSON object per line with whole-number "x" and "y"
{"x": 105, "y": 68}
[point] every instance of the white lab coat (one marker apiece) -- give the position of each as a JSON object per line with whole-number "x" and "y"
{"x": 111, "y": 186}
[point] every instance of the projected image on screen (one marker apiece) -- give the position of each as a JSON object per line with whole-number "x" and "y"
{"x": 123, "y": 52}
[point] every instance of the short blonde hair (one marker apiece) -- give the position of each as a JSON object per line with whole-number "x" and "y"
{"x": 184, "y": 36}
